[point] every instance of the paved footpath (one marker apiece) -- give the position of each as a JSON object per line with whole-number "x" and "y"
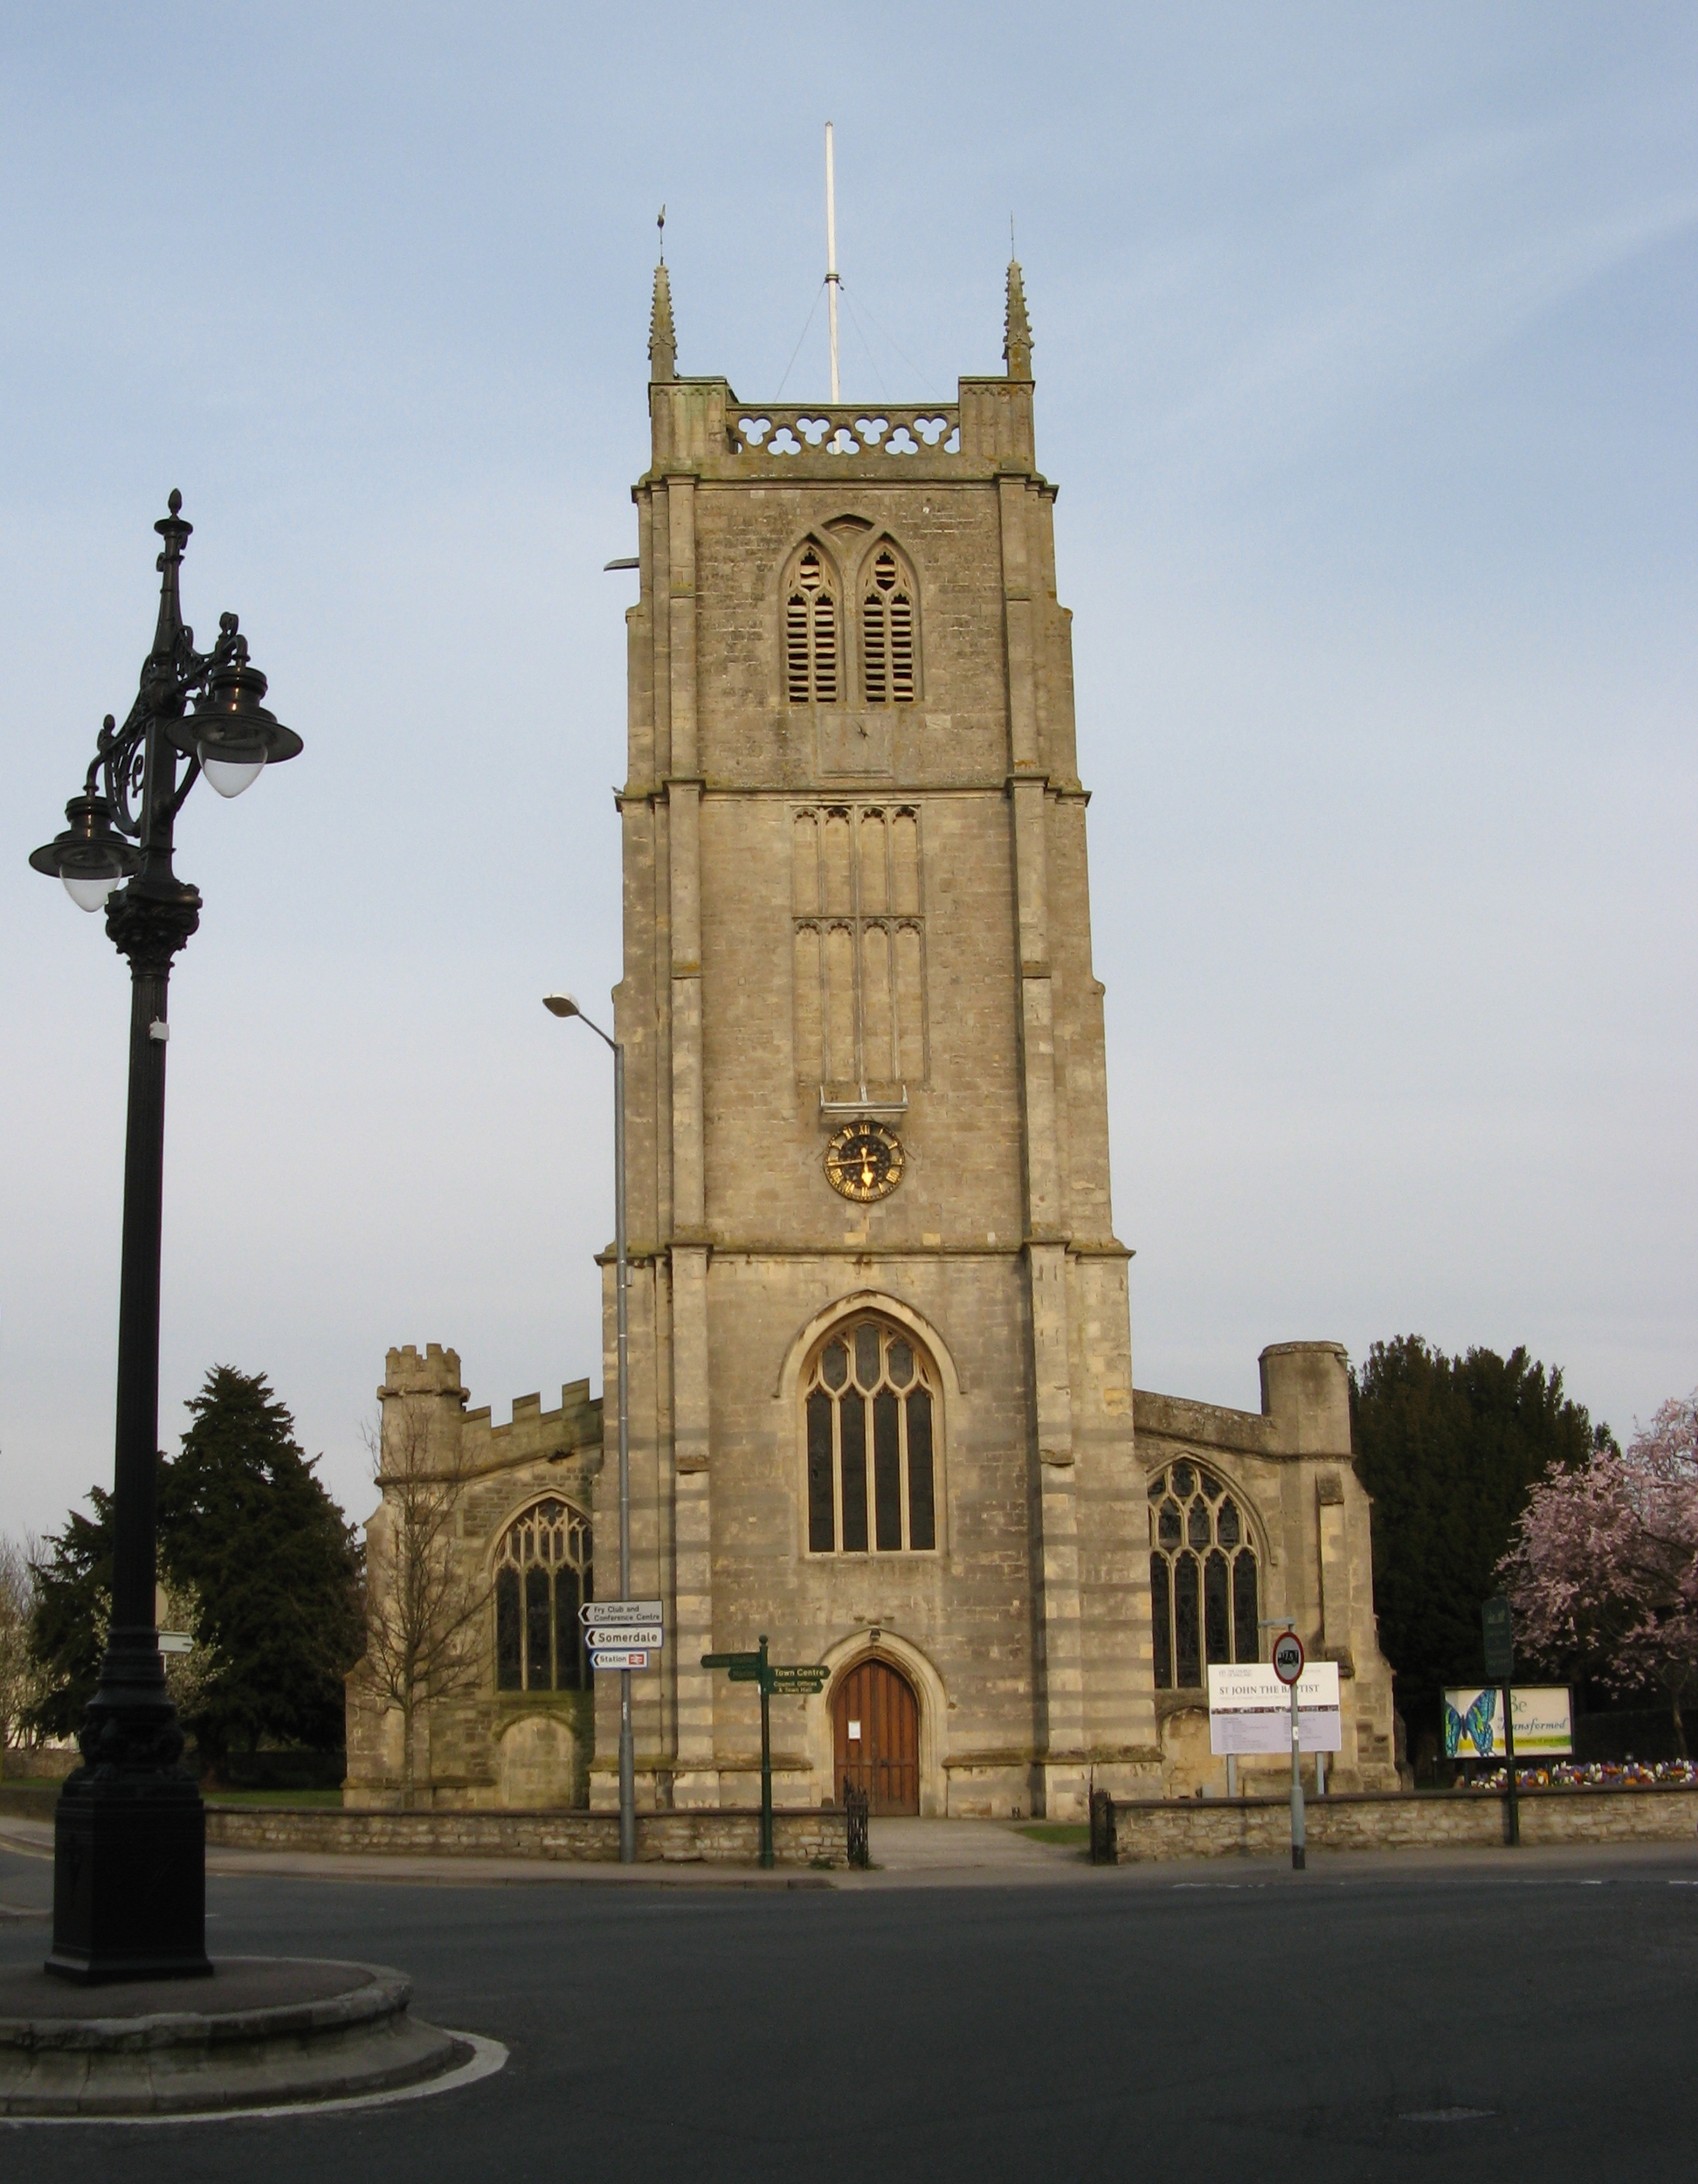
{"x": 906, "y": 1853}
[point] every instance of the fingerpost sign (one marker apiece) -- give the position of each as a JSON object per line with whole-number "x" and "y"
{"x": 792, "y": 1679}
{"x": 1288, "y": 1658}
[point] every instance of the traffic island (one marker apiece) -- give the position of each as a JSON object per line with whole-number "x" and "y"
{"x": 262, "y": 2032}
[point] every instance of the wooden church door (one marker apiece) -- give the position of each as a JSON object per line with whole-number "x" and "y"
{"x": 876, "y": 1737}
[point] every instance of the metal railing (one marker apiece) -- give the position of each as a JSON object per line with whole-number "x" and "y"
{"x": 855, "y": 1805}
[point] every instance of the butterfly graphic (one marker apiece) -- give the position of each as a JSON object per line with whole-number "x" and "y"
{"x": 1476, "y": 1725}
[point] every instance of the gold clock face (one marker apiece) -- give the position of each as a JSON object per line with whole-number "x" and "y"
{"x": 864, "y": 1161}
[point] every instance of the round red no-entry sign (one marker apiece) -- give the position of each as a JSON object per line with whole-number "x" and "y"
{"x": 1287, "y": 1656}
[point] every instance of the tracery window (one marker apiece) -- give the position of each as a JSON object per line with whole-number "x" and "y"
{"x": 1203, "y": 1576}
{"x": 871, "y": 1402}
{"x": 544, "y": 1570}
{"x": 887, "y": 649}
{"x": 810, "y": 632}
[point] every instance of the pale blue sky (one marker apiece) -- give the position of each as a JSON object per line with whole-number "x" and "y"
{"x": 1364, "y": 349}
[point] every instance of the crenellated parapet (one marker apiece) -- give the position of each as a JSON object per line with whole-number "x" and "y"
{"x": 1288, "y": 1471}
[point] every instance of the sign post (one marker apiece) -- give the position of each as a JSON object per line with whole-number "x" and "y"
{"x": 788, "y": 1680}
{"x": 1288, "y": 1659}
{"x": 1498, "y": 1630}
{"x": 623, "y": 1634}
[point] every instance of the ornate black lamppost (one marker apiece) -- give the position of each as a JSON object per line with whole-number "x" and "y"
{"x": 129, "y": 1831}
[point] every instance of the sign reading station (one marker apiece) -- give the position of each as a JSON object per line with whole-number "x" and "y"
{"x": 1250, "y": 1709}
{"x": 619, "y": 1657}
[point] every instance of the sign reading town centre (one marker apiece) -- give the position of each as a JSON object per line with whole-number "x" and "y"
{"x": 1250, "y": 1708}
{"x": 622, "y": 1633}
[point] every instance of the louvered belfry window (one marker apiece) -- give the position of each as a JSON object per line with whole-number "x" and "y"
{"x": 888, "y": 634}
{"x": 810, "y": 633}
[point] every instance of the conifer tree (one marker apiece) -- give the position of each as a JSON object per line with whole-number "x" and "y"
{"x": 1450, "y": 1450}
{"x": 68, "y": 1617}
{"x": 246, "y": 1523}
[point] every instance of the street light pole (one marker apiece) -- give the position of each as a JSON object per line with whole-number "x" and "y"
{"x": 129, "y": 1829}
{"x": 565, "y": 1005}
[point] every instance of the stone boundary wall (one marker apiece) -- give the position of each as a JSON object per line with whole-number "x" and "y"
{"x": 38, "y": 1766}
{"x": 718, "y": 1836}
{"x": 1437, "y": 1819}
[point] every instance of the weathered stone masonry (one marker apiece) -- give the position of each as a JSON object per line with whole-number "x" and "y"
{"x": 855, "y": 882}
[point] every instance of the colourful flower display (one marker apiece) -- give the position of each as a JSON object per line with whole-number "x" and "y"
{"x": 1600, "y": 1774}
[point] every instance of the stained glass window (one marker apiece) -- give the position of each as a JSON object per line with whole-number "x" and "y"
{"x": 869, "y": 1404}
{"x": 1203, "y": 1593}
{"x": 544, "y": 1572}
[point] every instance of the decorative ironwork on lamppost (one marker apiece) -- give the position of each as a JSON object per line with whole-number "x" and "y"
{"x": 129, "y": 1831}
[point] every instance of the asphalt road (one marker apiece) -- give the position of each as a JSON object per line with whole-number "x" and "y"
{"x": 1229, "y": 2022}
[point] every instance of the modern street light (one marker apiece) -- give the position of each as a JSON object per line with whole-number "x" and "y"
{"x": 129, "y": 1830}
{"x": 565, "y": 1005}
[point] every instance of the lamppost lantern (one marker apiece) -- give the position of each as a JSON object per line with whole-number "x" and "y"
{"x": 129, "y": 1830}
{"x": 229, "y": 732}
{"x": 561, "y": 1004}
{"x": 89, "y": 857}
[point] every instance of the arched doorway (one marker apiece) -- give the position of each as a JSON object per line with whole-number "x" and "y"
{"x": 876, "y": 1737}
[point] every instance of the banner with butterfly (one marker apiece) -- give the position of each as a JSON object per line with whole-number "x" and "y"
{"x": 1473, "y": 1722}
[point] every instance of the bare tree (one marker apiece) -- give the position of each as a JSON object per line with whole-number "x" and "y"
{"x": 20, "y": 1677}
{"x": 423, "y": 1597}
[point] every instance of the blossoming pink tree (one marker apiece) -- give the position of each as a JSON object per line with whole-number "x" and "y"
{"x": 1602, "y": 1568}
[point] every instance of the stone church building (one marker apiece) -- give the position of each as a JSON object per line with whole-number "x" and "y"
{"x": 881, "y": 1396}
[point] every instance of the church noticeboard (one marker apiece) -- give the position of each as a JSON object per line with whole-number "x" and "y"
{"x": 1473, "y": 1722}
{"x": 1250, "y": 1709}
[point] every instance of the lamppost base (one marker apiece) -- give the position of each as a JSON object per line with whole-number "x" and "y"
{"x": 268, "y": 2033}
{"x": 129, "y": 1879}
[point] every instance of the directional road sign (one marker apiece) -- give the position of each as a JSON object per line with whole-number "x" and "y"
{"x": 1287, "y": 1656}
{"x": 619, "y": 1657}
{"x": 626, "y": 1634}
{"x": 788, "y": 1683}
{"x": 621, "y": 1614}
{"x": 733, "y": 1661}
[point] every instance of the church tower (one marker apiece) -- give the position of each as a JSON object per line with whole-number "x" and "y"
{"x": 881, "y": 1385}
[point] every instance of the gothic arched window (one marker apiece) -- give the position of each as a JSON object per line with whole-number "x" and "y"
{"x": 1203, "y": 1587}
{"x": 888, "y": 634}
{"x": 810, "y": 632}
{"x": 544, "y": 1571}
{"x": 871, "y": 1402}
